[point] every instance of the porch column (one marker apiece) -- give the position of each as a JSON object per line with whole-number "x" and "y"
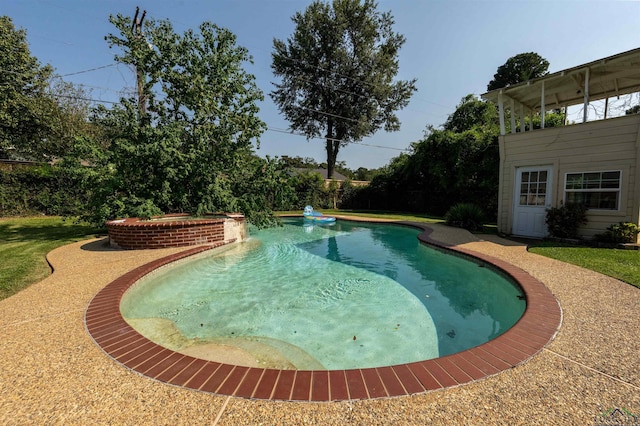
{"x": 501, "y": 112}
{"x": 585, "y": 108}
{"x": 542, "y": 106}
{"x": 512, "y": 113}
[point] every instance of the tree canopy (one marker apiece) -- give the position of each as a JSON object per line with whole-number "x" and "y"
{"x": 40, "y": 114}
{"x": 519, "y": 68}
{"x": 337, "y": 72}
{"x": 457, "y": 163}
{"x": 185, "y": 143}
{"x": 23, "y": 84}
{"x": 471, "y": 113}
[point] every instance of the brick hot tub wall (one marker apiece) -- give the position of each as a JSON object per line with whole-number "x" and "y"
{"x": 171, "y": 231}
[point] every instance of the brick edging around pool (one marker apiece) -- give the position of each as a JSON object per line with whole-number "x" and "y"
{"x": 535, "y": 329}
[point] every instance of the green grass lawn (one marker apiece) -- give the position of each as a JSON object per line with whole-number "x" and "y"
{"x": 24, "y": 244}
{"x": 621, "y": 264}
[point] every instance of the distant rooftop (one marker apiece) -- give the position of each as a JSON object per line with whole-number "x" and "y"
{"x": 322, "y": 172}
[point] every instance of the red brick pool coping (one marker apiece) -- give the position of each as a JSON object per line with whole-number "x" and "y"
{"x": 535, "y": 329}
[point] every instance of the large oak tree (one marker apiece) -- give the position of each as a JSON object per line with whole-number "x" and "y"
{"x": 337, "y": 74}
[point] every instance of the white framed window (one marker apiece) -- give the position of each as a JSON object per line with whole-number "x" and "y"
{"x": 596, "y": 190}
{"x": 533, "y": 188}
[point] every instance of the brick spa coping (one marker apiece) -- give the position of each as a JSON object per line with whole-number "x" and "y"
{"x": 533, "y": 331}
{"x": 171, "y": 230}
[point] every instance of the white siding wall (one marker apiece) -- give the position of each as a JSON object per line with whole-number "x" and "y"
{"x": 611, "y": 144}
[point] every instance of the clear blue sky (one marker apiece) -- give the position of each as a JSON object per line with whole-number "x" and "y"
{"x": 453, "y": 48}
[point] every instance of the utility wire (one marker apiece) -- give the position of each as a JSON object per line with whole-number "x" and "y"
{"x": 89, "y": 70}
{"x": 106, "y": 89}
{"x": 188, "y": 26}
{"x": 284, "y": 57}
{"x": 273, "y": 129}
{"x": 327, "y": 113}
{"x": 305, "y": 63}
{"x": 57, "y": 95}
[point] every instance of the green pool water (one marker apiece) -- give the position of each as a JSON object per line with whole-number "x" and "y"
{"x": 350, "y": 295}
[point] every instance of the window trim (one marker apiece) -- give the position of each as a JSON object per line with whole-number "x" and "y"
{"x": 546, "y": 182}
{"x": 617, "y": 190}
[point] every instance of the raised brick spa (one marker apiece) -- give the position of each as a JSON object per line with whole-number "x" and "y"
{"x": 175, "y": 230}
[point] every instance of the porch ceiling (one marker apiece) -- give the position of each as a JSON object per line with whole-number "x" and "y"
{"x": 613, "y": 76}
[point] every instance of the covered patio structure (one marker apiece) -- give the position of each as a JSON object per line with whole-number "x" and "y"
{"x": 593, "y": 161}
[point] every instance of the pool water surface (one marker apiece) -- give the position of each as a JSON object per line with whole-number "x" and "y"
{"x": 351, "y": 295}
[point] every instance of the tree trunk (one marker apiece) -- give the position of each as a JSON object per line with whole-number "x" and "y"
{"x": 333, "y": 146}
{"x": 331, "y": 159}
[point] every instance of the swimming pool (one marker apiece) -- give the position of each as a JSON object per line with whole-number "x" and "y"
{"x": 352, "y": 295}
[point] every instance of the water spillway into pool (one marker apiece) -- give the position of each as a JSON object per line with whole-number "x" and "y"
{"x": 351, "y": 295}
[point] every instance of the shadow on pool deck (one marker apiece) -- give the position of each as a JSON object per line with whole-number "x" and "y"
{"x": 99, "y": 245}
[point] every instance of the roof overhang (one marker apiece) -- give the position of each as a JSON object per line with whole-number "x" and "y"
{"x": 613, "y": 76}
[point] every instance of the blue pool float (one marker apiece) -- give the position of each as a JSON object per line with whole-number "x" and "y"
{"x": 316, "y": 217}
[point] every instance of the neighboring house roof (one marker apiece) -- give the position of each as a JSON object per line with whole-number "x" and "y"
{"x": 322, "y": 172}
{"x": 612, "y": 76}
{"x": 14, "y": 164}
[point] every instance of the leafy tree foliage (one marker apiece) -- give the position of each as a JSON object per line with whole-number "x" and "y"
{"x": 471, "y": 113}
{"x": 310, "y": 189}
{"x": 42, "y": 189}
{"x": 551, "y": 119}
{"x": 299, "y": 162}
{"x": 23, "y": 83}
{"x": 68, "y": 118}
{"x": 337, "y": 74}
{"x": 40, "y": 114}
{"x": 458, "y": 163}
{"x": 633, "y": 110}
{"x": 519, "y": 68}
{"x": 262, "y": 187}
{"x": 186, "y": 143}
{"x": 362, "y": 173}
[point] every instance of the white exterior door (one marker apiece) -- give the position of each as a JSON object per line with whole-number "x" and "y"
{"x": 531, "y": 199}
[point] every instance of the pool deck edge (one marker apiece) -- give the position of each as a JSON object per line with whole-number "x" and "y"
{"x": 537, "y": 327}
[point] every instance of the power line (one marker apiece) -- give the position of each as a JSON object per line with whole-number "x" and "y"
{"x": 137, "y": 25}
{"x": 273, "y": 129}
{"x": 89, "y": 70}
{"x": 408, "y": 107}
{"x": 106, "y": 89}
{"x": 188, "y": 26}
{"x": 327, "y": 113}
{"x": 57, "y": 95}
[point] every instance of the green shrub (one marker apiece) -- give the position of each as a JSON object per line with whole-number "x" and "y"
{"x": 310, "y": 190}
{"x": 465, "y": 215}
{"x": 623, "y": 232}
{"x": 564, "y": 221}
{"x": 146, "y": 210}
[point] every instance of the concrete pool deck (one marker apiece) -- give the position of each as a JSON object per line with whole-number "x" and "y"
{"x": 52, "y": 372}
